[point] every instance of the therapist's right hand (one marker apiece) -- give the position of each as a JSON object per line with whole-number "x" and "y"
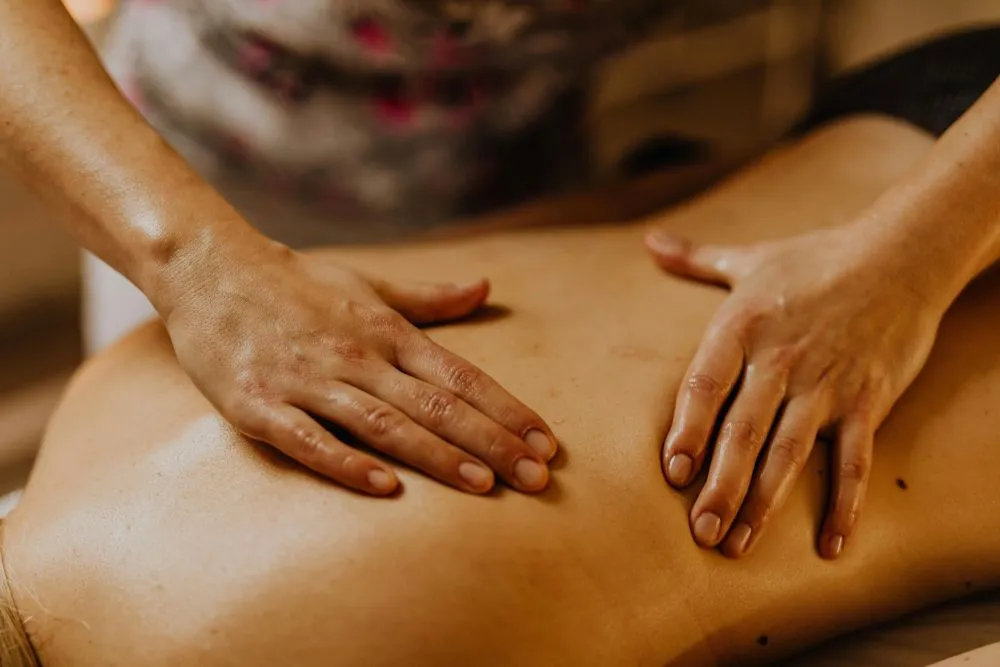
{"x": 281, "y": 342}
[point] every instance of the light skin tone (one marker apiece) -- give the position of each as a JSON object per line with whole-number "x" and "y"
{"x": 984, "y": 657}
{"x": 821, "y": 334}
{"x": 598, "y": 571}
{"x": 276, "y": 340}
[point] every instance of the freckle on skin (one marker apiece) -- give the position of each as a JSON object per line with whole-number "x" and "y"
{"x": 901, "y": 483}
{"x": 762, "y": 640}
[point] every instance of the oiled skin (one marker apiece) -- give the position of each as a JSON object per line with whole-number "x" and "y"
{"x": 151, "y": 534}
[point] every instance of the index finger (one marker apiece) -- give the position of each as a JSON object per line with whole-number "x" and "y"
{"x": 426, "y": 360}
{"x": 707, "y": 384}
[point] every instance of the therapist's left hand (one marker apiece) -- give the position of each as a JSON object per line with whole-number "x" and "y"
{"x": 820, "y": 332}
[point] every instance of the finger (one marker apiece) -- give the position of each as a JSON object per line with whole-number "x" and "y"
{"x": 444, "y": 414}
{"x": 426, "y": 360}
{"x": 719, "y": 265}
{"x": 852, "y": 461}
{"x": 390, "y": 431}
{"x": 709, "y": 381}
{"x": 740, "y": 442}
{"x": 425, "y": 303}
{"x": 786, "y": 456}
{"x": 296, "y": 434}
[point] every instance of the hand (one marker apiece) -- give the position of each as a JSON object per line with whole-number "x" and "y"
{"x": 820, "y": 331}
{"x": 278, "y": 341}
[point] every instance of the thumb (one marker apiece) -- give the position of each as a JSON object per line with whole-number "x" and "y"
{"x": 426, "y": 303}
{"x": 717, "y": 264}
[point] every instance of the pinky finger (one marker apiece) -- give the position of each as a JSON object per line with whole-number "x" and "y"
{"x": 852, "y": 462}
{"x": 299, "y": 436}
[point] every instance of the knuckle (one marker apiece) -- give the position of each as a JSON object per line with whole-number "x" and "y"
{"x": 704, "y": 385}
{"x": 440, "y": 461}
{"x": 723, "y": 498}
{"x": 727, "y": 503}
{"x": 499, "y": 448}
{"x": 437, "y": 407}
{"x": 788, "y": 452}
{"x": 855, "y": 468}
{"x": 511, "y": 417}
{"x": 749, "y": 319}
{"x": 464, "y": 379}
{"x": 785, "y": 358}
{"x": 514, "y": 418}
{"x": 352, "y": 310}
{"x": 308, "y": 443}
{"x": 821, "y": 378}
{"x": 685, "y": 439}
{"x": 863, "y": 408}
{"x": 333, "y": 394}
{"x": 295, "y": 359}
{"x": 388, "y": 322}
{"x": 348, "y": 350}
{"x": 250, "y": 385}
{"x": 349, "y": 465}
{"x": 380, "y": 421}
{"x": 743, "y": 434}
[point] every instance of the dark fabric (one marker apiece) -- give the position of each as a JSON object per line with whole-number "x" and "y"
{"x": 930, "y": 85}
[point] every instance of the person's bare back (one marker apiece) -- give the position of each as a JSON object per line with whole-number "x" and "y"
{"x": 151, "y": 534}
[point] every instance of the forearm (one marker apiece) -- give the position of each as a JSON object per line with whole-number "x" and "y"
{"x": 943, "y": 221}
{"x": 68, "y": 133}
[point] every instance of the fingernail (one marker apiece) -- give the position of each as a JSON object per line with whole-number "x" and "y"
{"x": 530, "y": 473}
{"x": 381, "y": 481}
{"x": 834, "y": 546}
{"x": 475, "y": 475}
{"x": 540, "y": 443}
{"x": 740, "y": 536}
{"x": 706, "y": 529}
{"x": 679, "y": 469}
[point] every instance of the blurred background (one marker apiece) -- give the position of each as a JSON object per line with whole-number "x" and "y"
{"x": 39, "y": 265}
{"x": 39, "y": 307}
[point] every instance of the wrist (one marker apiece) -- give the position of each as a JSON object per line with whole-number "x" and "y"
{"x": 184, "y": 259}
{"x": 923, "y": 246}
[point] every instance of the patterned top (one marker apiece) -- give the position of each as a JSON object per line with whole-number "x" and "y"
{"x": 338, "y": 120}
